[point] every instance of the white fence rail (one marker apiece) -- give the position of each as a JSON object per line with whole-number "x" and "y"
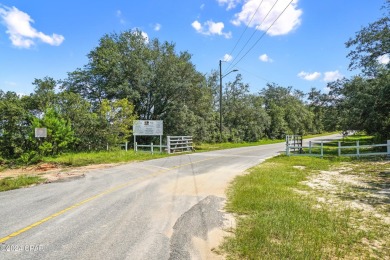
{"x": 359, "y": 149}
{"x": 300, "y": 148}
{"x": 179, "y": 144}
{"x": 151, "y": 146}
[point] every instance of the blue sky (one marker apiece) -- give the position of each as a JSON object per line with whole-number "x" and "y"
{"x": 304, "y": 48}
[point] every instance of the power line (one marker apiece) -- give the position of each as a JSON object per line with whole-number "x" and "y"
{"x": 254, "y": 74}
{"x": 250, "y": 38}
{"x": 263, "y": 34}
{"x": 246, "y": 28}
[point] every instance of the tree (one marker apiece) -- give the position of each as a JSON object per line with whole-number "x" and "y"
{"x": 116, "y": 120}
{"x": 14, "y": 125}
{"x": 244, "y": 115}
{"x": 288, "y": 112}
{"x": 59, "y": 133}
{"x": 364, "y": 103}
{"x": 44, "y": 96}
{"x": 371, "y": 43}
{"x": 158, "y": 81}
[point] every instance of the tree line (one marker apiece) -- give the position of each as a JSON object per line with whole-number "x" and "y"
{"x": 129, "y": 77}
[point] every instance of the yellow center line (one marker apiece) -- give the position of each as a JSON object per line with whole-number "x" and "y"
{"x": 108, "y": 191}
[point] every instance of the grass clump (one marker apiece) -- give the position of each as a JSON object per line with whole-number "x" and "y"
{"x": 10, "y": 183}
{"x": 277, "y": 222}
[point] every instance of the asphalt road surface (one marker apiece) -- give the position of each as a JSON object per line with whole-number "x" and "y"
{"x": 170, "y": 208}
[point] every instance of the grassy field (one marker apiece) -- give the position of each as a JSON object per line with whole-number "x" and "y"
{"x": 282, "y": 217}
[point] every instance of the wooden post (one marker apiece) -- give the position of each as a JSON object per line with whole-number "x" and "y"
{"x": 322, "y": 149}
{"x": 388, "y": 148}
{"x": 135, "y": 147}
{"x": 309, "y": 147}
{"x": 151, "y": 148}
{"x": 126, "y": 146}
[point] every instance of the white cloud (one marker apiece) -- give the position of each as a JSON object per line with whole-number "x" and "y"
{"x": 211, "y": 28}
{"x": 265, "y": 58}
{"x": 157, "y": 27}
{"x": 332, "y": 76}
{"x": 230, "y": 3}
{"x": 309, "y": 76}
{"x": 227, "y": 57}
{"x": 145, "y": 36}
{"x": 202, "y": 6}
{"x": 287, "y": 22}
{"x": 120, "y": 16}
{"x": 384, "y": 59}
{"x": 20, "y": 31}
{"x": 197, "y": 26}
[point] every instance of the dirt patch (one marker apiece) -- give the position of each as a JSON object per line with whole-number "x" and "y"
{"x": 363, "y": 188}
{"x": 52, "y": 172}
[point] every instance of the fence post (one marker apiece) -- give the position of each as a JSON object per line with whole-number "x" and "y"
{"x": 322, "y": 149}
{"x": 388, "y": 148}
{"x": 309, "y": 147}
{"x": 287, "y": 149}
{"x": 160, "y": 143}
{"x": 126, "y": 146}
{"x": 107, "y": 146}
{"x": 135, "y": 147}
{"x": 357, "y": 149}
{"x": 339, "y": 148}
{"x": 169, "y": 144}
{"x": 151, "y": 148}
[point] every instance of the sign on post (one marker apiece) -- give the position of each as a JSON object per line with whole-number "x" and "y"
{"x": 41, "y": 132}
{"x": 148, "y": 127}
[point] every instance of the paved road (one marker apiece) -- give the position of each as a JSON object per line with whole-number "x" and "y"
{"x": 169, "y": 208}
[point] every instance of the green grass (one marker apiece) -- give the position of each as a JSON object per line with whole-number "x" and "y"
{"x": 87, "y": 158}
{"x": 10, "y": 183}
{"x": 278, "y": 223}
{"x": 219, "y": 146}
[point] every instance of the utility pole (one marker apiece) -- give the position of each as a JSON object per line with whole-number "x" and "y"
{"x": 220, "y": 98}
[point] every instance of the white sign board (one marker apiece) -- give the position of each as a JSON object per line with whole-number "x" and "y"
{"x": 40, "y": 132}
{"x": 148, "y": 127}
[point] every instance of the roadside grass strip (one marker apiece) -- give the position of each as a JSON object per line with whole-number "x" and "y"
{"x": 10, "y": 183}
{"x": 280, "y": 217}
{"x": 88, "y": 158}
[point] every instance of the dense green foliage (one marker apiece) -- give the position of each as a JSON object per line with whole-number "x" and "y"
{"x": 130, "y": 77}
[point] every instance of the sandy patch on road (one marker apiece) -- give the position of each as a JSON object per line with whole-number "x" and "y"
{"x": 53, "y": 172}
{"x": 214, "y": 183}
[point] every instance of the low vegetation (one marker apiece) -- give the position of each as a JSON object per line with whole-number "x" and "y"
{"x": 10, "y": 183}
{"x": 310, "y": 208}
{"x": 103, "y": 157}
